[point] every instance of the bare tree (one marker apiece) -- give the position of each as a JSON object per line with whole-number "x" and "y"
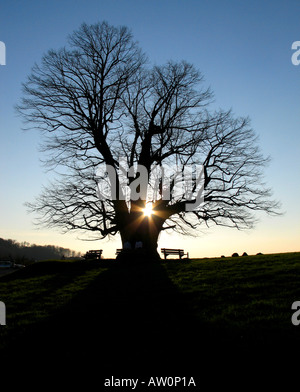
{"x": 97, "y": 102}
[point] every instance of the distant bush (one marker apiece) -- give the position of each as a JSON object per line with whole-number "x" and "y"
{"x": 235, "y": 255}
{"x": 245, "y": 254}
{"x": 24, "y": 251}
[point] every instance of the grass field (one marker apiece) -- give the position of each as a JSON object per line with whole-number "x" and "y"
{"x": 174, "y": 311}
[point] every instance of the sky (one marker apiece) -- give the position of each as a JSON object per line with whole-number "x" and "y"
{"x": 243, "y": 49}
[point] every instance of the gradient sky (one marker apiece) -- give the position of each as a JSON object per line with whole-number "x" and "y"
{"x": 243, "y": 48}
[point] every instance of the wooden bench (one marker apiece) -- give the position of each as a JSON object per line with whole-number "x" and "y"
{"x": 93, "y": 254}
{"x": 179, "y": 252}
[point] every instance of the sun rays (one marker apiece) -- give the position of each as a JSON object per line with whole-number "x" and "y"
{"x": 148, "y": 210}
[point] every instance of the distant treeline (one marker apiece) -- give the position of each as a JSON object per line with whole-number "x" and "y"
{"x": 11, "y": 249}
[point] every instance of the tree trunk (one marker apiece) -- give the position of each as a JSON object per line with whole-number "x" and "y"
{"x": 140, "y": 235}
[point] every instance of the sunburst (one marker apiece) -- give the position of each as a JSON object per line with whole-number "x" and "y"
{"x": 148, "y": 210}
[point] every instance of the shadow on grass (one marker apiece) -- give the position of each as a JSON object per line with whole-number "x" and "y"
{"x": 129, "y": 317}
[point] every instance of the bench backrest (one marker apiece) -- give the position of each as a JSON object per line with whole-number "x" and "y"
{"x": 93, "y": 253}
{"x": 172, "y": 250}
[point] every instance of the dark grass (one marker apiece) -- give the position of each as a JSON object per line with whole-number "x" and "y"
{"x": 199, "y": 314}
{"x": 246, "y": 300}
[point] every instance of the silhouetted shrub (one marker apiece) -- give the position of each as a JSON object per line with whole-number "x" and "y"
{"x": 245, "y": 254}
{"x": 235, "y": 255}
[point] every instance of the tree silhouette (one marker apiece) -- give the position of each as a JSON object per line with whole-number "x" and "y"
{"x": 98, "y": 103}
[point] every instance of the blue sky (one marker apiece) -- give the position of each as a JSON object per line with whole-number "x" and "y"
{"x": 243, "y": 48}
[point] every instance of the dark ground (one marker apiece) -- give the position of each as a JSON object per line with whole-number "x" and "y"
{"x": 131, "y": 321}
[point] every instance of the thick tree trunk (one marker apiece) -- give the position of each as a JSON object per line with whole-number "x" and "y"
{"x": 140, "y": 235}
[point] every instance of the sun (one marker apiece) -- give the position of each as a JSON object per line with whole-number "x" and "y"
{"x": 148, "y": 210}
